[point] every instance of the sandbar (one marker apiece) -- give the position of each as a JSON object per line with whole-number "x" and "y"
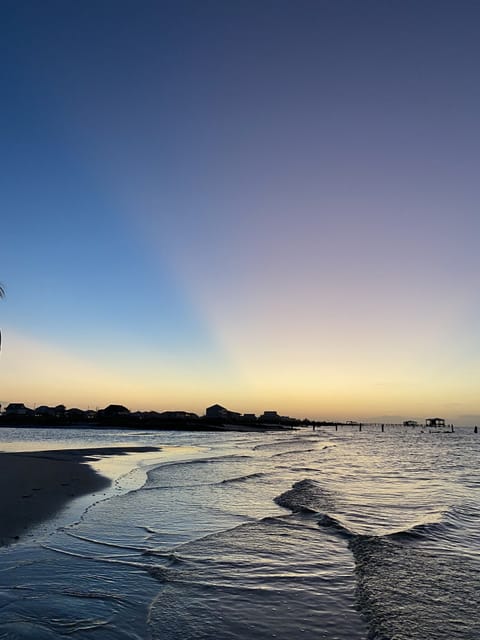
{"x": 35, "y": 485}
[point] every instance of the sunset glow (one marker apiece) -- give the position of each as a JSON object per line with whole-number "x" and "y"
{"x": 265, "y": 205}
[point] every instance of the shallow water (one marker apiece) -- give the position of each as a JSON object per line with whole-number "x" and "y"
{"x": 337, "y": 535}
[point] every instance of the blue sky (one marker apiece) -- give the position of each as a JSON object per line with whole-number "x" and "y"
{"x": 265, "y": 204}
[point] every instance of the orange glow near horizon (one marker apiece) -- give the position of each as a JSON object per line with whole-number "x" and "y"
{"x": 43, "y": 374}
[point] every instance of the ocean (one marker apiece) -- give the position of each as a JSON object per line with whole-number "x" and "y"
{"x": 337, "y": 535}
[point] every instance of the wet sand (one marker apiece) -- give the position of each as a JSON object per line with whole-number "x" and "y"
{"x": 35, "y": 485}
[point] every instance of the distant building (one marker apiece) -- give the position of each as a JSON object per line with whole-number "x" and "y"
{"x": 17, "y": 409}
{"x": 216, "y": 411}
{"x": 410, "y": 423}
{"x": 60, "y": 411}
{"x": 435, "y": 422}
{"x": 113, "y": 411}
{"x": 270, "y": 416}
{"x": 74, "y": 412}
{"x": 249, "y": 416}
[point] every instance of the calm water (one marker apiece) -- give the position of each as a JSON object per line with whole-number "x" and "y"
{"x": 335, "y": 535}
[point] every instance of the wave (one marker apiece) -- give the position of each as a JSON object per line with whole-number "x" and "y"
{"x": 213, "y": 459}
{"x": 277, "y": 443}
{"x": 307, "y": 496}
{"x": 421, "y": 530}
{"x": 104, "y": 543}
{"x": 169, "y": 487}
{"x": 171, "y": 558}
{"x": 193, "y": 473}
{"x": 248, "y": 476}
{"x": 94, "y": 558}
{"x": 417, "y": 582}
{"x": 453, "y": 522}
{"x": 93, "y": 595}
{"x": 256, "y": 580}
{"x": 414, "y": 591}
{"x": 293, "y": 451}
{"x": 331, "y": 522}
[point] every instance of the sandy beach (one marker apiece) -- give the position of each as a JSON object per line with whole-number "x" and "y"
{"x": 35, "y": 485}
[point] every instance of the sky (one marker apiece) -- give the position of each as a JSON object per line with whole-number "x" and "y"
{"x": 268, "y": 204}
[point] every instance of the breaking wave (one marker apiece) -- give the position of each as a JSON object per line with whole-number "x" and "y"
{"x": 306, "y": 495}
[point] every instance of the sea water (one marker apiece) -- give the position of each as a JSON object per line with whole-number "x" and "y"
{"x": 340, "y": 535}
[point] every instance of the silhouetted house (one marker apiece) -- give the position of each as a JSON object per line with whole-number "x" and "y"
{"x": 116, "y": 410}
{"x": 60, "y": 411}
{"x": 435, "y": 422}
{"x": 18, "y": 409}
{"x": 113, "y": 411}
{"x": 75, "y": 415}
{"x": 216, "y": 412}
{"x": 250, "y": 416}
{"x": 270, "y": 416}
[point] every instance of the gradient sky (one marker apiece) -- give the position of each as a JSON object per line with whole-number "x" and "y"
{"x": 268, "y": 204}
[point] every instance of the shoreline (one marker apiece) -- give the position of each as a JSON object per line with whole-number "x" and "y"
{"x": 135, "y": 426}
{"x": 36, "y": 485}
